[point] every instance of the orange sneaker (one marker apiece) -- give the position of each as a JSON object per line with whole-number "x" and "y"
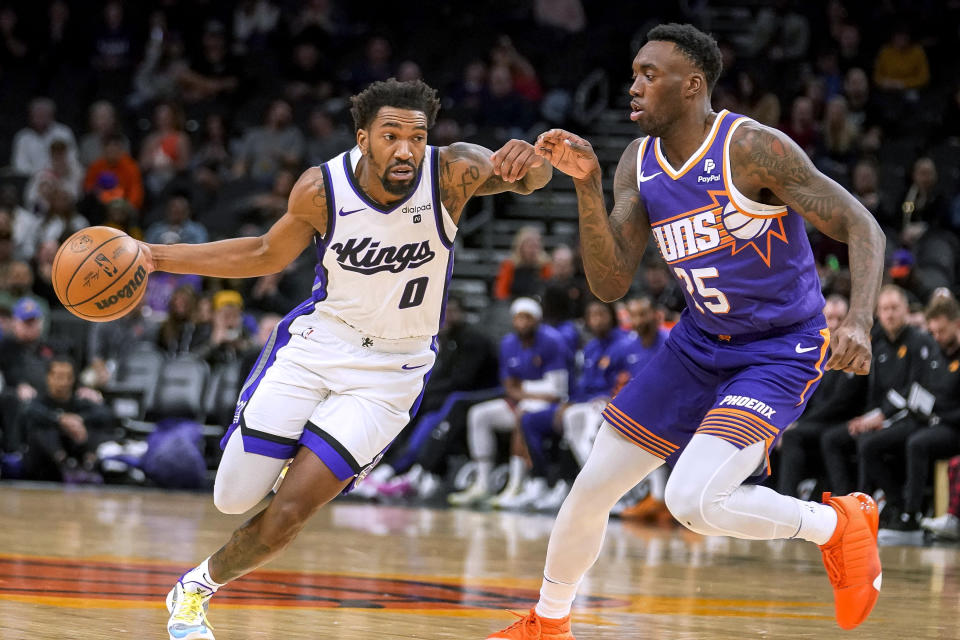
{"x": 852, "y": 559}
{"x": 533, "y": 627}
{"x": 649, "y": 510}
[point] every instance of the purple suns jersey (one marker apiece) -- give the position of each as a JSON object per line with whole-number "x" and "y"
{"x": 744, "y": 266}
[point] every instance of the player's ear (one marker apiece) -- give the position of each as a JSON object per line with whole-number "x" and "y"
{"x": 695, "y": 83}
{"x": 363, "y": 140}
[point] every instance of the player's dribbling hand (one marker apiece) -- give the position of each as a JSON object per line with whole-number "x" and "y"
{"x": 850, "y": 350}
{"x": 147, "y": 256}
{"x": 512, "y": 161}
{"x": 568, "y": 152}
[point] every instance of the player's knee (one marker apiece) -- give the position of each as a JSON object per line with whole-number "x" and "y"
{"x": 686, "y": 503}
{"x": 282, "y": 522}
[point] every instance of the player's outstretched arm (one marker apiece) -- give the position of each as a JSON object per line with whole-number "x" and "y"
{"x": 611, "y": 246}
{"x": 764, "y": 158}
{"x": 468, "y": 170}
{"x": 255, "y": 256}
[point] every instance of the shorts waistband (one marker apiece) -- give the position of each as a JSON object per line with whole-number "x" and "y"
{"x": 337, "y": 327}
{"x": 816, "y": 322}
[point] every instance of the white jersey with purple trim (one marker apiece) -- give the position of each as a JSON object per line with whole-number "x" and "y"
{"x": 384, "y": 270}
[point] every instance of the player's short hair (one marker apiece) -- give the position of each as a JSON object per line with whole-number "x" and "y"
{"x": 943, "y": 307}
{"x": 701, "y": 48}
{"x": 415, "y": 95}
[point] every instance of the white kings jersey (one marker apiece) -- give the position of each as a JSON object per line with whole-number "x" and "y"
{"x": 384, "y": 270}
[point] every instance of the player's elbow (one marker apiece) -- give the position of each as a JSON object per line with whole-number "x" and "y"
{"x": 607, "y": 291}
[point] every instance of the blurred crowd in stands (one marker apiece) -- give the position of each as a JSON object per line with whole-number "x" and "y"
{"x": 190, "y": 120}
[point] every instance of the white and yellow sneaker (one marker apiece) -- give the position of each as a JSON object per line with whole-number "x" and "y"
{"x": 188, "y": 614}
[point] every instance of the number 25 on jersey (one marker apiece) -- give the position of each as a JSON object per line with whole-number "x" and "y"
{"x": 713, "y": 299}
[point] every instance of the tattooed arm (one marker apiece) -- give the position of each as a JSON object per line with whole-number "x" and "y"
{"x": 258, "y": 256}
{"x": 611, "y": 246}
{"x": 766, "y": 162}
{"x": 468, "y": 170}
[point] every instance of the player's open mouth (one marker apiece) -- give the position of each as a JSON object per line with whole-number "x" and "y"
{"x": 401, "y": 173}
{"x": 636, "y": 111}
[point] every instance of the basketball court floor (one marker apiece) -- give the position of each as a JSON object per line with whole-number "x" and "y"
{"x": 83, "y": 564}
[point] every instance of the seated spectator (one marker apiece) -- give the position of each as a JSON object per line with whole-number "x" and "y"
{"x": 900, "y": 353}
{"x": 18, "y": 284}
{"x": 575, "y": 422}
{"x": 326, "y": 140}
{"x": 115, "y": 174}
{"x": 113, "y": 51}
{"x": 267, "y": 149}
{"x": 534, "y": 371}
{"x": 802, "y": 125}
{"x": 839, "y": 142}
{"x": 839, "y": 398}
{"x": 23, "y": 363}
{"x": 523, "y": 75}
{"x": 524, "y": 273}
{"x": 109, "y": 342}
{"x": 644, "y": 340}
{"x": 254, "y": 22}
{"x": 63, "y": 429}
{"x": 214, "y": 152}
{"x": 923, "y": 206}
{"x": 376, "y": 64}
{"x": 161, "y": 287}
{"x": 659, "y": 284}
{"x": 564, "y": 279}
{"x": 166, "y": 150}
{"x": 465, "y": 372}
{"x": 939, "y": 413}
{"x": 865, "y": 187}
{"x": 120, "y": 214}
{"x": 901, "y": 64}
{"x": 213, "y": 78}
{"x": 505, "y": 113}
{"x": 308, "y": 76}
{"x": 31, "y": 145}
{"x": 229, "y": 340}
{"x": 176, "y": 227}
{"x": 26, "y": 224}
{"x": 103, "y": 125}
{"x": 470, "y": 93}
{"x": 63, "y": 173}
{"x": 862, "y": 110}
{"x": 181, "y": 332}
{"x": 754, "y": 102}
{"x": 157, "y": 79}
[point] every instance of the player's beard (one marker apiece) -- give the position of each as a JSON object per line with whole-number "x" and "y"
{"x": 400, "y": 188}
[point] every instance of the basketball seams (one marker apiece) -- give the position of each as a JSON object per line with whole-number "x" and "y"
{"x": 82, "y": 262}
{"x": 118, "y": 278}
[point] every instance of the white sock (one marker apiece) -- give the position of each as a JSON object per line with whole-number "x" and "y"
{"x": 556, "y": 598}
{"x": 198, "y": 579}
{"x": 518, "y": 470}
{"x": 484, "y": 467}
{"x": 817, "y": 522}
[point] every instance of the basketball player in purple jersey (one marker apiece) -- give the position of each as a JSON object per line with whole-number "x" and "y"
{"x": 344, "y": 371}
{"x": 725, "y": 199}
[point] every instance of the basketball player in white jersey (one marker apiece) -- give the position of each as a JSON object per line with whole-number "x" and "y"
{"x": 343, "y": 372}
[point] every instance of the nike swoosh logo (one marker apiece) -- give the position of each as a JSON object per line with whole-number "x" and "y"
{"x": 804, "y": 349}
{"x": 644, "y": 178}
{"x": 346, "y": 213}
{"x": 412, "y": 368}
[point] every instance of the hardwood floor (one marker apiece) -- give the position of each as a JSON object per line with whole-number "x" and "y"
{"x": 96, "y": 565}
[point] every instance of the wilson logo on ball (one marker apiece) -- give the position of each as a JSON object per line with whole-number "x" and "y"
{"x": 132, "y": 286}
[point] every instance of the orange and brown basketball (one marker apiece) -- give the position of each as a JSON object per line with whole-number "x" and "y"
{"x": 99, "y": 274}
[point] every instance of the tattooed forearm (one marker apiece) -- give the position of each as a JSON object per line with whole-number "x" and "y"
{"x": 611, "y": 246}
{"x": 766, "y": 160}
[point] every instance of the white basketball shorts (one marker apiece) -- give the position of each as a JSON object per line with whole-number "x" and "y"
{"x": 322, "y": 384}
